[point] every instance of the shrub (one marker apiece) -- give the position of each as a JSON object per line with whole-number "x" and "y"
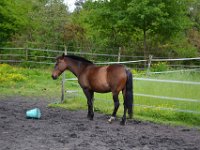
{"x": 8, "y": 74}
{"x": 158, "y": 67}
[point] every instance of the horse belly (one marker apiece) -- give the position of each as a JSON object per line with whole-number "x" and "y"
{"x": 99, "y": 82}
{"x": 101, "y": 88}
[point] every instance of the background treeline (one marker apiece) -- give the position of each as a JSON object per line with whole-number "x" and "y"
{"x": 163, "y": 28}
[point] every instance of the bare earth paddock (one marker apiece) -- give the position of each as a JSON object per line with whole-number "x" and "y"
{"x": 60, "y": 129}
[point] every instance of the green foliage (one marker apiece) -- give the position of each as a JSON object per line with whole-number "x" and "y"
{"x": 140, "y": 27}
{"x": 10, "y": 75}
{"x": 194, "y": 12}
{"x": 159, "y": 18}
{"x": 33, "y": 22}
{"x": 46, "y": 23}
{"x": 28, "y": 82}
{"x": 184, "y": 49}
{"x": 158, "y": 67}
{"x": 11, "y": 20}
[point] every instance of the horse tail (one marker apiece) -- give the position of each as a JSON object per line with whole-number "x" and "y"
{"x": 129, "y": 93}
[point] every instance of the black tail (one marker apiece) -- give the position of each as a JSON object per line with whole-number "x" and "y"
{"x": 129, "y": 93}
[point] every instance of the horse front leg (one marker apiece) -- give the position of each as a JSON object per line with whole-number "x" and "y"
{"x": 89, "y": 95}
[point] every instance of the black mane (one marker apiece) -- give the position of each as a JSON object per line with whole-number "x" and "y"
{"x": 79, "y": 58}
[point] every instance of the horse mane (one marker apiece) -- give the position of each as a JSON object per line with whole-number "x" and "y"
{"x": 79, "y": 58}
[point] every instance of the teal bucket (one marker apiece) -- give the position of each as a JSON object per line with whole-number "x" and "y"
{"x": 33, "y": 113}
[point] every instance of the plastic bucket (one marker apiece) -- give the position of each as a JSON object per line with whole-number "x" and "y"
{"x": 33, "y": 113}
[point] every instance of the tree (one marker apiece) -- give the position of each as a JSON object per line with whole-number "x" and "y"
{"x": 105, "y": 22}
{"x": 10, "y": 20}
{"x": 194, "y": 13}
{"x": 162, "y": 18}
{"x": 46, "y": 20}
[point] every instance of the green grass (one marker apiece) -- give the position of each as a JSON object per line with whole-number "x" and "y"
{"x": 38, "y": 82}
{"x": 28, "y": 82}
{"x": 156, "y": 112}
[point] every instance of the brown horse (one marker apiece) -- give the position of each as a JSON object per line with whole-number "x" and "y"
{"x": 101, "y": 79}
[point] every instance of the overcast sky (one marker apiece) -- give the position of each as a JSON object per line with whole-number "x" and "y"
{"x": 70, "y": 4}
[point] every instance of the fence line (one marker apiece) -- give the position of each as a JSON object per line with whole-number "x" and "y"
{"x": 168, "y": 98}
{"x": 154, "y": 80}
{"x": 95, "y": 54}
{"x": 176, "y": 59}
{"x": 21, "y": 61}
{"x": 154, "y": 107}
{"x": 10, "y": 48}
{"x": 167, "y": 81}
{"x": 71, "y": 52}
{"x": 156, "y": 96}
{"x": 160, "y": 97}
{"x": 121, "y": 62}
{"x": 18, "y": 61}
{"x": 174, "y": 71}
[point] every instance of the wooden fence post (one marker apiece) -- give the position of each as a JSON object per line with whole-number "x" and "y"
{"x": 119, "y": 54}
{"x": 26, "y": 53}
{"x": 149, "y": 64}
{"x": 63, "y": 87}
{"x": 63, "y": 81}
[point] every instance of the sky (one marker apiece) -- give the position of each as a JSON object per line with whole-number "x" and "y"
{"x": 70, "y": 4}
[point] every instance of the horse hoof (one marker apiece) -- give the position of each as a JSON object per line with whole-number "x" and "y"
{"x": 90, "y": 116}
{"x": 111, "y": 119}
{"x": 123, "y": 122}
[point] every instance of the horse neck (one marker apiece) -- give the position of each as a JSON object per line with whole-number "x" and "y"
{"x": 76, "y": 66}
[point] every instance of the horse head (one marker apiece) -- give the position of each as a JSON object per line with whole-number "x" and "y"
{"x": 59, "y": 67}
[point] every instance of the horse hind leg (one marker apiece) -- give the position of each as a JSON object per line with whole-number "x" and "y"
{"x": 116, "y": 106}
{"x": 123, "y": 121}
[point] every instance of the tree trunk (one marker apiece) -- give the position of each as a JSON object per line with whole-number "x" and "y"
{"x": 145, "y": 47}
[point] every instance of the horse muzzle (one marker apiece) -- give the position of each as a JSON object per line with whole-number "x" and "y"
{"x": 54, "y": 77}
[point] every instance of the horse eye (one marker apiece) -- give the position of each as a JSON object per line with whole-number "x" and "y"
{"x": 56, "y": 65}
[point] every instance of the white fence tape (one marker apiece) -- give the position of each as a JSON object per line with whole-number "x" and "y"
{"x": 174, "y": 71}
{"x": 161, "y": 97}
{"x": 121, "y": 62}
{"x": 153, "y": 80}
{"x": 177, "y": 59}
{"x": 168, "y": 98}
{"x": 167, "y": 81}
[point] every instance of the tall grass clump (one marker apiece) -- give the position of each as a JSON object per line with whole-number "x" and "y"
{"x": 28, "y": 82}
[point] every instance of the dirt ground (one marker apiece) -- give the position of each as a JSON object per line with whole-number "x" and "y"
{"x": 60, "y": 129}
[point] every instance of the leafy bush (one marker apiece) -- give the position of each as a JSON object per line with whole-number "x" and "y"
{"x": 8, "y": 74}
{"x": 158, "y": 67}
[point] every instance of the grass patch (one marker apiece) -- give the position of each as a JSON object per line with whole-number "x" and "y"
{"x": 151, "y": 109}
{"x": 38, "y": 82}
{"x": 27, "y": 82}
